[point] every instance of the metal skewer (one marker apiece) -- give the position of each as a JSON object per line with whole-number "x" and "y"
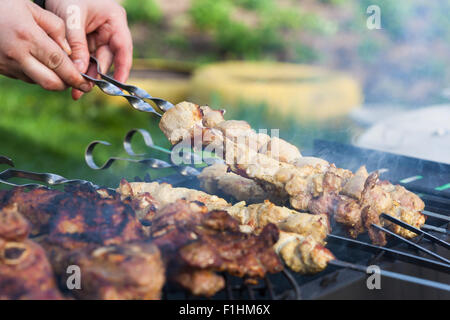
{"x": 148, "y": 140}
{"x": 404, "y": 256}
{"x": 48, "y": 178}
{"x": 415, "y": 230}
{"x": 136, "y": 96}
{"x": 6, "y": 160}
{"x": 436, "y": 215}
{"x": 393, "y": 275}
{"x": 415, "y": 245}
{"x": 435, "y": 229}
{"x": 149, "y": 162}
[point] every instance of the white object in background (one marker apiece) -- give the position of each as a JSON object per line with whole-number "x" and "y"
{"x": 423, "y": 133}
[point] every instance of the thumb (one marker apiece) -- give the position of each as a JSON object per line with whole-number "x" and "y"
{"x": 78, "y": 43}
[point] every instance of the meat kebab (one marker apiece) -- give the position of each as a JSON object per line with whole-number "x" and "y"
{"x": 311, "y": 230}
{"x": 283, "y": 175}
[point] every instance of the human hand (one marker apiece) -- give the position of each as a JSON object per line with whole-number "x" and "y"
{"x": 99, "y": 27}
{"x": 33, "y": 47}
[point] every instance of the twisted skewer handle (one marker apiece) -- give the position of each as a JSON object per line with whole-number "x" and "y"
{"x": 113, "y": 88}
{"x": 149, "y": 162}
{"x": 48, "y": 178}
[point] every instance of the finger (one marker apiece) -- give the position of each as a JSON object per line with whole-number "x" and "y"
{"x": 78, "y": 43}
{"x": 92, "y": 72}
{"x": 92, "y": 46}
{"x": 121, "y": 46}
{"x": 105, "y": 58}
{"x": 50, "y": 55}
{"x": 53, "y": 25}
{"x": 41, "y": 75}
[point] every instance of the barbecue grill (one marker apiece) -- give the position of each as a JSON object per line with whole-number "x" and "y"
{"x": 339, "y": 280}
{"x": 345, "y": 276}
{"x": 429, "y": 179}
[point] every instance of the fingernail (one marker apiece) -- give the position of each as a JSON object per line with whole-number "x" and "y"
{"x": 79, "y": 64}
{"x": 85, "y": 87}
{"x": 67, "y": 47}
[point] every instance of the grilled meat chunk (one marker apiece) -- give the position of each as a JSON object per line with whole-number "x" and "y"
{"x": 72, "y": 219}
{"x": 93, "y": 220}
{"x": 355, "y": 185}
{"x": 13, "y": 226}
{"x": 182, "y": 121}
{"x": 257, "y": 216}
{"x": 199, "y": 282}
{"x": 303, "y": 254}
{"x": 160, "y": 195}
{"x": 131, "y": 271}
{"x": 25, "y": 272}
{"x": 280, "y": 149}
{"x": 237, "y": 253}
{"x": 188, "y": 234}
{"x": 383, "y": 197}
{"x": 370, "y": 217}
{"x": 35, "y": 205}
{"x": 216, "y": 179}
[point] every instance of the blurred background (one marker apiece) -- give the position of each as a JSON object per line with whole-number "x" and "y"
{"x": 315, "y": 69}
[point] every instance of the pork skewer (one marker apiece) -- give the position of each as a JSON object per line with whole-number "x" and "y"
{"x": 354, "y": 200}
{"x": 297, "y": 250}
{"x": 217, "y": 178}
{"x": 302, "y": 235}
{"x": 298, "y": 231}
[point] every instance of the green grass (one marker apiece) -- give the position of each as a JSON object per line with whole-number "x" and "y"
{"x": 147, "y": 10}
{"x": 269, "y": 37}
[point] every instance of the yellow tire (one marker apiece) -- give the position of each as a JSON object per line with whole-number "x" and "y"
{"x": 305, "y": 92}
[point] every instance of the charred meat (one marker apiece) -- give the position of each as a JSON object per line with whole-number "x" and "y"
{"x": 249, "y": 219}
{"x": 25, "y": 272}
{"x": 130, "y": 271}
{"x": 191, "y": 237}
